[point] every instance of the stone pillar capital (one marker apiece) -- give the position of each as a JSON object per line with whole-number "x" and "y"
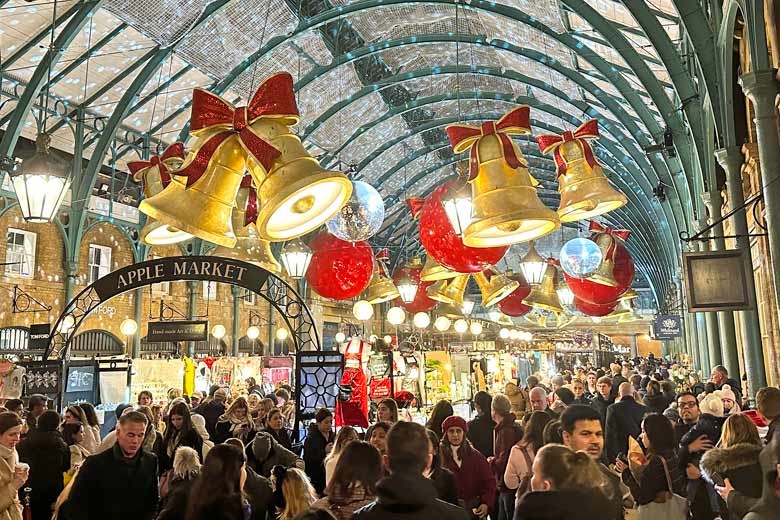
{"x": 730, "y": 159}
{"x": 761, "y": 87}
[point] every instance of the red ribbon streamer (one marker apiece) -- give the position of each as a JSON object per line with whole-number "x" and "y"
{"x": 273, "y": 99}
{"x": 415, "y": 205}
{"x": 585, "y": 132}
{"x": 250, "y": 215}
{"x": 514, "y": 122}
{"x": 174, "y": 153}
{"x": 622, "y": 234}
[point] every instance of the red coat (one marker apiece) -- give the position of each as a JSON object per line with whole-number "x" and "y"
{"x": 506, "y": 435}
{"x": 475, "y": 482}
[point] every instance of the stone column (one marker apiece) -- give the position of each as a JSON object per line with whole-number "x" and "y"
{"x": 731, "y": 159}
{"x": 726, "y": 329}
{"x": 634, "y": 348}
{"x": 704, "y": 353}
{"x": 711, "y": 320}
{"x": 761, "y": 88}
{"x": 236, "y": 293}
{"x": 192, "y": 309}
{"x": 137, "y": 315}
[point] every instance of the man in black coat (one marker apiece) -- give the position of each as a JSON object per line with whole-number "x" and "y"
{"x": 212, "y": 409}
{"x": 406, "y": 493}
{"x": 624, "y": 420}
{"x": 121, "y": 483}
{"x": 481, "y": 427}
{"x": 603, "y": 398}
{"x": 48, "y": 456}
{"x": 720, "y": 377}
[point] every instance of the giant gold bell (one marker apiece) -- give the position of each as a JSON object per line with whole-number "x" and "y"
{"x": 622, "y": 311}
{"x": 381, "y": 288}
{"x": 433, "y": 271}
{"x": 296, "y": 196}
{"x": 495, "y": 289}
{"x": 155, "y": 232}
{"x": 544, "y": 296}
{"x": 449, "y": 310}
{"x": 452, "y": 293}
{"x": 205, "y": 208}
{"x": 605, "y": 272}
{"x": 249, "y": 246}
{"x": 506, "y": 207}
{"x": 585, "y": 190}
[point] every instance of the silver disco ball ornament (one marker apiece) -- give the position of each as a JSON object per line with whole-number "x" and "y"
{"x": 580, "y": 257}
{"x": 361, "y": 217}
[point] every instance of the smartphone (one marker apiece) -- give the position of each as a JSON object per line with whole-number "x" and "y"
{"x": 717, "y": 479}
{"x": 622, "y": 457}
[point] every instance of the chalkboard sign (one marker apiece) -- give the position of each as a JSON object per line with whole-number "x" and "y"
{"x": 80, "y": 379}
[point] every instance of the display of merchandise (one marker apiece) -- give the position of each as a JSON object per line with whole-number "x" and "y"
{"x": 11, "y": 380}
{"x": 202, "y": 378}
{"x": 352, "y": 409}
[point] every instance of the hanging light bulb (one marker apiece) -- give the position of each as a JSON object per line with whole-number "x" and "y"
{"x": 362, "y": 310}
{"x": 296, "y": 257}
{"x": 129, "y": 327}
{"x": 514, "y": 334}
{"x": 421, "y": 320}
{"x": 219, "y": 331}
{"x": 282, "y": 334}
{"x": 253, "y": 332}
{"x": 442, "y": 323}
{"x": 388, "y": 339}
{"x": 396, "y": 316}
{"x": 533, "y": 266}
{"x": 407, "y": 287}
{"x": 504, "y": 333}
{"x": 461, "y": 326}
{"x": 458, "y": 207}
{"x": 340, "y": 337}
{"x": 475, "y": 328}
{"x": 468, "y": 305}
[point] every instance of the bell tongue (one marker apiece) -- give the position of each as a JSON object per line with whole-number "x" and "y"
{"x": 303, "y": 204}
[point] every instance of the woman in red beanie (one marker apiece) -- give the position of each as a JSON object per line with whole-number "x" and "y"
{"x": 473, "y": 477}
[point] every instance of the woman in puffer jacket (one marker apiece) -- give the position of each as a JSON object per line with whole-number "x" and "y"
{"x": 736, "y": 460}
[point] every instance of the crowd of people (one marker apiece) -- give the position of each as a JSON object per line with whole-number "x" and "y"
{"x": 610, "y": 443}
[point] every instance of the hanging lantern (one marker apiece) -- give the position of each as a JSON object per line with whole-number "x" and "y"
{"x": 396, "y": 316}
{"x": 339, "y": 270}
{"x": 585, "y": 190}
{"x": 361, "y": 217}
{"x": 41, "y": 182}
{"x": 506, "y": 207}
{"x": 468, "y": 306}
{"x": 407, "y": 277}
{"x": 533, "y": 266}
{"x": 543, "y": 296}
{"x": 296, "y": 257}
{"x": 457, "y": 206}
{"x": 565, "y": 296}
{"x": 440, "y": 241}
{"x": 154, "y": 175}
{"x": 580, "y": 257}
{"x": 434, "y": 271}
{"x": 513, "y": 304}
{"x": 340, "y": 337}
{"x": 496, "y": 288}
{"x": 295, "y": 195}
{"x": 249, "y": 246}
{"x": 593, "y": 309}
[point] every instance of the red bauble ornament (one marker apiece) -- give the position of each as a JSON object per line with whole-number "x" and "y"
{"x": 513, "y": 304}
{"x": 594, "y": 309}
{"x": 421, "y": 302}
{"x": 440, "y": 241}
{"x": 339, "y": 270}
{"x": 599, "y": 294}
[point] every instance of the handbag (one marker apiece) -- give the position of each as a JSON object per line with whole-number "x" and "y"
{"x": 525, "y": 483}
{"x": 674, "y": 508}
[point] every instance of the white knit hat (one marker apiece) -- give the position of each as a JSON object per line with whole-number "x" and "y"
{"x": 712, "y": 404}
{"x": 728, "y": 393}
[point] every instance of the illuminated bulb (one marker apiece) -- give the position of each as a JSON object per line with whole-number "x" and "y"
{"x": 504, "y": 333}
{"x": 461, "y": 326}
{"x": 475, "y": 328}
{"x": 421, "y": 320}
{"x": 388, "y": 339}
{"x": 363, "y": 310}
{"x": 129, "y": 327}
{"x": 396, "y": 316}
{"x": 281, "y": 334}
{"x": 253, "y": 332}
{"x": 341, "y": 337}
{"x": 514, "y": 334}
{"x": 442, "y": 323}
{"x": 219, "y": 331}
{"x": 372, "y": 338}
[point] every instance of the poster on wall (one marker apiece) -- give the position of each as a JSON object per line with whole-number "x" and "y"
{"x": 718, "y": 281}
{"x": 43, "y": 378}
{"x": 667, "y": 327}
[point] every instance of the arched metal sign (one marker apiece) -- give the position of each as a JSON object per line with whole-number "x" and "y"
{"x": 271, "y": 288}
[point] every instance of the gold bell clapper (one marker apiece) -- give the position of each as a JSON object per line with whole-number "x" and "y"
{"x": 381, "y": 288}
{"x": 433, "y": 271}
{"x": 249, "y": 246}
{"x": 584, "y": 188}
{"x": 505, "y": 205}
{"x": 544, "y": 296}
{"x": 155, "y": 175}
{"x": 606, "y": 238}
{"x": 496, "y": 288}
{"x": 455, "y": 291}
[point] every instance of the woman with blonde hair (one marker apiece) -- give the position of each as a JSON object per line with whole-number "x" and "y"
{"x": 565, "y": 485}
{"x": 236, "y": 423}
{"x": 734, "y": 462}
{"x": 345, "y": 435}
{"x": 299, "y": 494}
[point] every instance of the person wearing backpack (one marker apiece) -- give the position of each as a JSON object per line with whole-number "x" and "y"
{"x": 519, "y": 468}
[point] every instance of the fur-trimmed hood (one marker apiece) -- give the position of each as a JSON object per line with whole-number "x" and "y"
{"x": 724, "y": 460}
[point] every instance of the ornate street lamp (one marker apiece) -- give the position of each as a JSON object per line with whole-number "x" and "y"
{"x": 533, "y": 266}
{"x": 296, "y": 257}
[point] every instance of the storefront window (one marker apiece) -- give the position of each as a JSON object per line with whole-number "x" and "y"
{"x": 99, "y": 262}
{"x": 20, "y": 253}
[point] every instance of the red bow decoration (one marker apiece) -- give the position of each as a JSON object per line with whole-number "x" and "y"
{"x": 586, "y": 131}
{"x": 383, "y": 254}
{"x": 622, "y": 234}
{"x": 250, "y": 215}
{"x": 174, "y": 153}
{"x": 273, "y": 99}
{"x": 415, "y": 205}
{"x": 514, "y": 122}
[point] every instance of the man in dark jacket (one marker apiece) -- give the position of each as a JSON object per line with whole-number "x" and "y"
{"x": 406, "y": 493}
{"x": 603, "y": 398}
{"x": 480, "y": 430}
{"x": 212, "y": 410}
{"x": 624, "y": 420}
{"x": 507, "y": 434}
{"x": 720, "y": 377}
{"x": 120, "y": 483}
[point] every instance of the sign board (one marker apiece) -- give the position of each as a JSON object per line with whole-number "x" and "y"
{"x": 39, "y": 336}
{"x": 162, "y": 331}
{"x": 80, "y": 379}
{"x": 718, "y": 281}
{"x": 667, "y": 327}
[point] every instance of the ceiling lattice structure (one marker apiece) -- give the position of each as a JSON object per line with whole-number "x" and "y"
{"x": 377, "y": 82}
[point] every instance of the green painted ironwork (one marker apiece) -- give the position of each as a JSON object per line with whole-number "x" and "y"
{"x": 80, "y": 60}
